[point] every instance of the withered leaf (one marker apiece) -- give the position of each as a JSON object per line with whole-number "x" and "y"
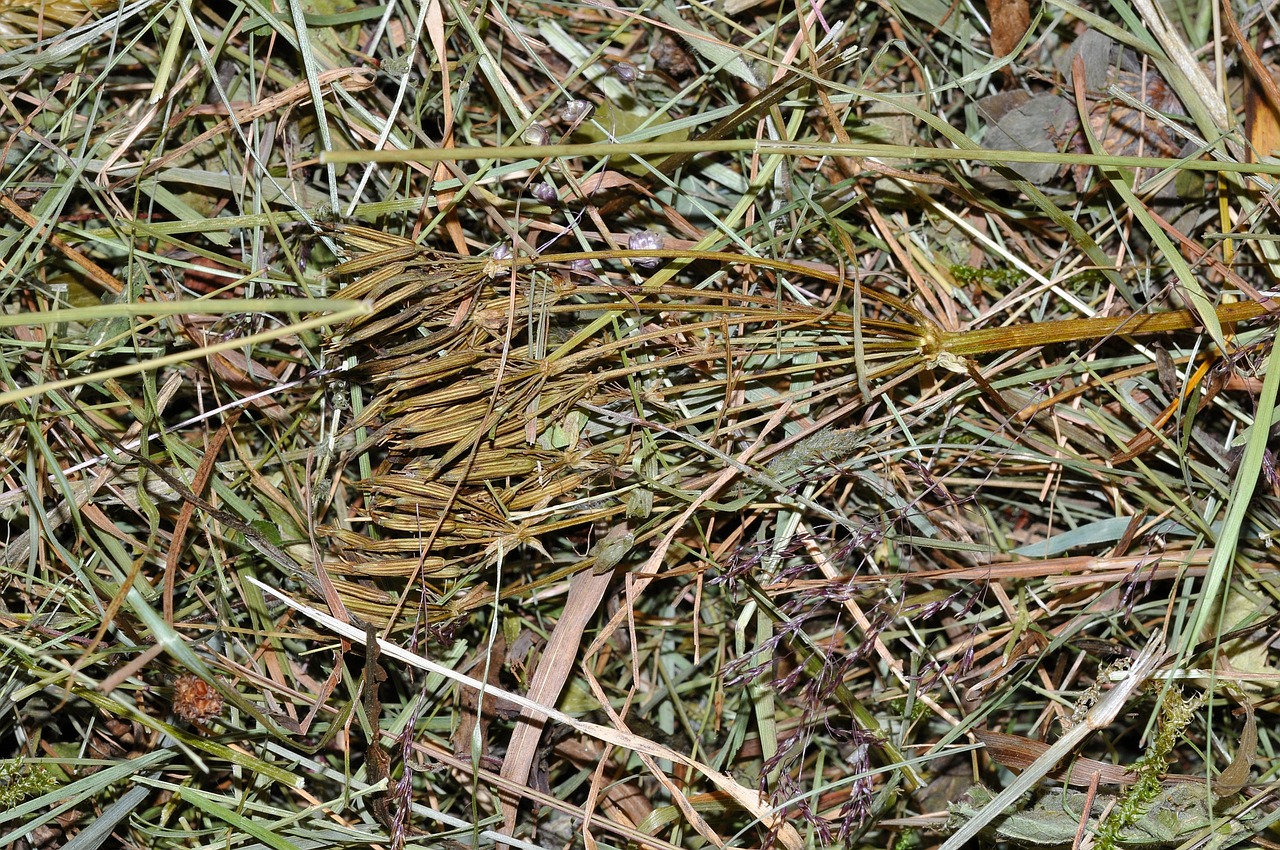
{"x": 1010, "y": 20}
{"x": 1016, "y": 752}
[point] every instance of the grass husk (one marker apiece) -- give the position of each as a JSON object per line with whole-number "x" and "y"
{"x": 400, "y": 452}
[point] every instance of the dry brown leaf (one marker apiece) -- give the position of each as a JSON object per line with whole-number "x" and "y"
{"x": 585, "y": 592}
{"x": 1010, "y": 20}
{"x": 1262, "y": 119}
{"x": 1236, "y": 775}
{"x": 1123, "y": 130}
{"x": 1016, "y": 752}
{"x": 607, "y": 180}
{"x": 1262, "y": 94}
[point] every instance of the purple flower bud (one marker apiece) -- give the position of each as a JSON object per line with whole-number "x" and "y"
{"x": 645, "y": 240}
{"x": 545, "y": 192}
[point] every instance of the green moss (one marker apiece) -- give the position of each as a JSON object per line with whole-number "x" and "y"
{"x": 908, "y": 840}
{"x": 1175, "y": 715}
{"x": 986, "y": 278}
{"x": 18, "y": 781}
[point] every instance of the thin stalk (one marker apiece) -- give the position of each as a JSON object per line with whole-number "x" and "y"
{"x": 991, "y": 340}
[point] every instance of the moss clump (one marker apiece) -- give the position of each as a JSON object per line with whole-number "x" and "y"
{"x": 18, "y": 781}
{"x": 986, "y": 278}
{"x": 1176, "y": 714}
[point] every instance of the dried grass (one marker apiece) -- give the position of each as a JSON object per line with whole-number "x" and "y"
{"x": 699, "y": 471}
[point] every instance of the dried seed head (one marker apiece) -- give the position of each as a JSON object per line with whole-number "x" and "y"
{"x": 645, "y": 240}
{"x": 545, "y": 192}
{"x": 626, "y": 72}
{"x": 535, "y": 134}
{"x": 673, "y": 59}
{"x": 577, "y": 111}
{"x": 195, "y": 700}
{"x": 499, "y": 261}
